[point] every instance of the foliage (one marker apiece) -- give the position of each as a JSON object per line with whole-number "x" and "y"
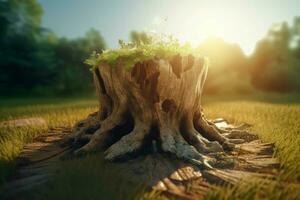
{"x": 140, "y": 38}
{"x": 131, "y": 53}
{"x": 35, "y": 60}
{"x": 70, "y": 55}
{"x": 228, "y": 68}
{"x": 275, "y": 64}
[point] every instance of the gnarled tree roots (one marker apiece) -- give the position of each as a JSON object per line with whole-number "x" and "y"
{"x": 155, "y": 104}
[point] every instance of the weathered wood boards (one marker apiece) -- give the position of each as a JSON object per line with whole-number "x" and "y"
{"x": 36, "y": 164}
{"x": 156, "y": 170}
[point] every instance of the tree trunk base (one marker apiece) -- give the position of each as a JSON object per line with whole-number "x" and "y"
{"x": 124, "y": 141}
{"x": 157, "y": 103}
{"x": 183, "y": 179}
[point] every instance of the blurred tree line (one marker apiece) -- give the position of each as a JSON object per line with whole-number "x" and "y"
{"x": 228, "y": 68}
{"x": 33, "y": 60}
{"x": 274, "y": 65}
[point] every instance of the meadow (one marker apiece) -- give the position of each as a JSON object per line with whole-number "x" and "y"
{"x": 275, "y": 118}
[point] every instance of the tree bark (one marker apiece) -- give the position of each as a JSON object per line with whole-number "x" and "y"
{"x": 155, "y": 105}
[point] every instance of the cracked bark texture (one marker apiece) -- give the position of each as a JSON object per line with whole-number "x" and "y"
{"x": 157, "y": 103}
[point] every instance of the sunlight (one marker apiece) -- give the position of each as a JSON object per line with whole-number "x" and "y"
{"x": 224, "y": 22}
{"x": 157, "y": 99}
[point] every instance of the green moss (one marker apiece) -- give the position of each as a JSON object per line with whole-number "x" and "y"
{"x": 131, "y": 54}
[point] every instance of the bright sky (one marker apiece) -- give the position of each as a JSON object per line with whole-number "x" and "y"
{"x": 238, "y": 21}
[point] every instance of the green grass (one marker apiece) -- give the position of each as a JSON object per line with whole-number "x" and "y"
{"x": 56, "y": 112}
{"x": 257, "y": 189}
{"x": 273, "y": 122}
{"x": 275, "y": 119}
{"x": 88, "y": 178}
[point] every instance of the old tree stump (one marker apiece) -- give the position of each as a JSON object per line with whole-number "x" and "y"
{"x": 150, "y": 116}
{"x": 156, "y": 103}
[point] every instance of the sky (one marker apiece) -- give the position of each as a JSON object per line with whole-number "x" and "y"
{"x": 236, "y": 21}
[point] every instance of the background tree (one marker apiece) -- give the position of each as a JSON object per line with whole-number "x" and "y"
{"x": 35, "y": 60}
{"x": 274, "y": 64}
{"x": 140, "y": 38}
{"x": 21, "y": 53}
{"x": 228, "y": 64}
{"x": 70, "y": 55}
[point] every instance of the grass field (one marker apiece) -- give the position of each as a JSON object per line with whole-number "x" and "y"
{"x": 275, "y": 119}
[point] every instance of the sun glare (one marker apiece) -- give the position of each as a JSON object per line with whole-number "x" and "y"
{"x": 195, "y": 27}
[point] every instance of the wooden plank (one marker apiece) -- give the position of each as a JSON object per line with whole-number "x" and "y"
{"x": 256, "y": 147}
{"x": 220, "y": 177}
{"x": 257, "y": 163}
{"x": 33, "y": 121}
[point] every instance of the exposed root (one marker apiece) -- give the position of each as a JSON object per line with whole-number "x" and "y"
{"x": 185, "y": 143}
{"x": 202, "y": 144}
{"x": 206, "y": 130}
{"x": 129, "y": 143}
{"x": 214, "y": 147}
{"x": 97, "y": 141}
{"x": 83, "y": 130}
{"x": 212, "y": 133}
{"x": 174, "y": 143}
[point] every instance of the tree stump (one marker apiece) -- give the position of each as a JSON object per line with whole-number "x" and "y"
{"x": 154, "y": 109}
{"x": 154, "y": 105}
